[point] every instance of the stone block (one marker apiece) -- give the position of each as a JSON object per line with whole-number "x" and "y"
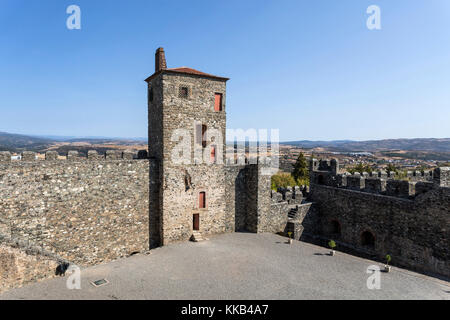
{"x": 355, "y": 182}
{"x": 72, "y": 155}
{"x": 375, "y": 185}
{"x": 113, "y": 155}
{"x": 5, "y": 156}
{"x": 93, "y": 155}
{"x": 28, "y": 156}
{"x": 441, "y": 177}
{"x": 400, "y": 188}
{"x": 128, "y": 155}
{"x": 51, "y": 155}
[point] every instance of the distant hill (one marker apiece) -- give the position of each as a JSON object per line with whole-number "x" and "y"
{"x": 17, "y": 142}
{"x": 421, "y": 144}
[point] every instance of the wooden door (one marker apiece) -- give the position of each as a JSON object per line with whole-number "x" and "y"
{"x": 196, "y": 221}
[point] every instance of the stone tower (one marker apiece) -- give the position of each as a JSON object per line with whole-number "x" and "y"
{"x": 187, "y": 126}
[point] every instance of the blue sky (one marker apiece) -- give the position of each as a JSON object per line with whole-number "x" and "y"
{"x": 310, "y": 68}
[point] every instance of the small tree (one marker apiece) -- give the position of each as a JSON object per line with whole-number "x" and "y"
{"x": 399, "y": 174}
{"x": 391, "y": 168}
{"x": 361, "y": 168}
{"x": 332, "y": 244}
{"x": 301, "y": 172}
{"x": 388, "y": 259}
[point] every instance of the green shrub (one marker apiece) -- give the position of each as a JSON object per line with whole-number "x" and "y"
{"x": 332, "y": 244}
{"x": 388, "y": 258}
{"x": 282, "y": 180}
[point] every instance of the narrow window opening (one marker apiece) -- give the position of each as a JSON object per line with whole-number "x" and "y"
{"x": 204, "y": 128}
{"x": 202, "y": 200}
{"x": 184, "y": 92}
{"x": 198, "y": 134}
{"x": 213, "y": 154}
{"x": 150, "y": 95}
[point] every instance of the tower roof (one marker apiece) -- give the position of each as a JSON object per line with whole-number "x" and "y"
{"x": 186, "y": 70}
{"x": 161, "y": 67}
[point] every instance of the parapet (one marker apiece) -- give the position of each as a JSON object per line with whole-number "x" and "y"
{"x": 382, "y": 182}
{"x": 291, "y": 195}
{"x": 73, "y": 155}
{"x": 426, "y": 175}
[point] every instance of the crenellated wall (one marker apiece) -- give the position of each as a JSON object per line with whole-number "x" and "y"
{"x": 375, "y": 215}
{"x": 86, "y": 211}
{"x": 290, "y": 212}
{"x": 6, "y": 156}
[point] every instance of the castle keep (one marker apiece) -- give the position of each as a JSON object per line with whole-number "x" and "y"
{"x": 191, "y": 197}
{"x": 94, "y": 209}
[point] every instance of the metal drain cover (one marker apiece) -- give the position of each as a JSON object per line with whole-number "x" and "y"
{"x": 99, "y": 283}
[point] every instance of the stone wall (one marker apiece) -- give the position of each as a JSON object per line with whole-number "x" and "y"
{"x": 413, "y": 231}
{"x": 248, "y": 200}
{"x": 236, "y": 197}
{"x": 19, "y": 267}
{"x": 85, "y": 211}
{"x": 181, "y": 187}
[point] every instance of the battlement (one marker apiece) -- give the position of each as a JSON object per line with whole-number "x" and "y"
{"x": 290, "y": 195}
{"x": 324, "y": 165}
{"x": 324, "y": 173}
{"x": 426, "y": 175}
{"x": 92, "y": 155}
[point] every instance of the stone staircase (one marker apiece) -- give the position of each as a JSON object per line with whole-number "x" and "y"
{"x": 292, "y": 213}
{"x": 196, "y": 236}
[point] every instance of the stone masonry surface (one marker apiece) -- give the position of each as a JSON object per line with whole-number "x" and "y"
{"x": 408, "y": 219}
{"x": 86, "y": 212}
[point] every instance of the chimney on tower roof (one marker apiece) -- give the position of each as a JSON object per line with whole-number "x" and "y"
{"x": 160, "y": 60}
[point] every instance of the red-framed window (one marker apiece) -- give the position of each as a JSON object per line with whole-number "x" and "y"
{"x": 218, "y": 102}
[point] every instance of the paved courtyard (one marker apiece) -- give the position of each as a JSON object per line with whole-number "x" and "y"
{"x": 238, "y": 266}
